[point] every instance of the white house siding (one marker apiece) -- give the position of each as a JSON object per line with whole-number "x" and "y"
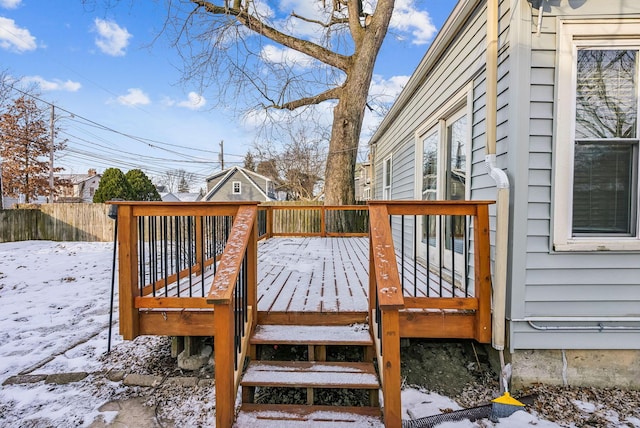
{"x": 547, "y": 283}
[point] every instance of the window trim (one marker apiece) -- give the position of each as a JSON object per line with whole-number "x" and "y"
{"x": 387, "y": 171}
{"x": 458, "y": 106}
{"x": 233, "y": 189}
{"x": 614, "y": 33}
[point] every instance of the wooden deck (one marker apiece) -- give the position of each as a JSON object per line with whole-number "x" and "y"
{"x": 313, "y": 275}
{"x": 224, "y": 269}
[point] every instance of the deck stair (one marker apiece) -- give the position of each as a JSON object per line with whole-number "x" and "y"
{"x": 312, "y": 374}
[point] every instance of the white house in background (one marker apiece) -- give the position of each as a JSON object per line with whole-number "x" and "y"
{"x": 180, "y": 196}
{"x": 168, "y": 197}
{"x": 363, "y": 181}
{"x": 81, "y": 187}
{"x": 239, "y": 184}
{"x": 555, "y": 96}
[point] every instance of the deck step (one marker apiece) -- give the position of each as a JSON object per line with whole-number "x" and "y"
{"x": 306, "y": 374}
{"x": 287, "y": 415}
{"x": 348, "y": 335}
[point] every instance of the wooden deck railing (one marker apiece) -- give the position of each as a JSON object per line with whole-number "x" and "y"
{"x": 313, "y": 220}
{"x": 234, "y": 296}
{"x": 202, "y": 256}
{"x": 417, "y": 294}
{"x": 429, "y": 275}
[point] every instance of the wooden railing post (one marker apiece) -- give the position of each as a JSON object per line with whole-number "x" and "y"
{"x": 199, "y": 241}
{"x": 391, "y": 386}
{"x": 323, "y": 221}
{"x": 388, "y": 291}
{"x": 269, "y": 222}
{"x": 128, "y": 272}
{"x": 482, "y": 273}
{"x": 224, "y": 370}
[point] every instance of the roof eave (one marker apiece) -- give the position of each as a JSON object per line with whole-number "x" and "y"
{"x": 439, "y": 45}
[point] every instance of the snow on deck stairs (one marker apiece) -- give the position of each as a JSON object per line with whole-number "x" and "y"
{"x": 316, "y": 373}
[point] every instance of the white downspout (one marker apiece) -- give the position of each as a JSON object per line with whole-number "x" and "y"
{"x": 502, "y": 184}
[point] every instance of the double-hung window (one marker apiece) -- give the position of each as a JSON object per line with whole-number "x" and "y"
{"x": 597, "y": 141}
{"x": 237, "y": 187}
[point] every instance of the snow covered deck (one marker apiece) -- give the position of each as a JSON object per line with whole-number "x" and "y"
{"x": 313, "y": 275}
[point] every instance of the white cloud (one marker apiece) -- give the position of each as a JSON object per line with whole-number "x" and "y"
{"x": 10, "y": 4}
{"x": 53, "y": 85}
{"x": 290, "y": 57}
{"x": 14, "y": 38}
{"x": 407, "y": 18}
{"x": 386, "y": 91}
{"x": 134, "y": 97}
{"x": 194, "y": 101}
{"x": 112, "y": 39}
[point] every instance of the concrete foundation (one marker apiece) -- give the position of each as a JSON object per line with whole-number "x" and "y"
{"x": 597, "y": 368}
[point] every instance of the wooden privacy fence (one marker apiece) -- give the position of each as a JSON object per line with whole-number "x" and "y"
{"x": 57, "y": 222}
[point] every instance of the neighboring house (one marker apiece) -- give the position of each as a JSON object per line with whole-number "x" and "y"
{"x": 81, "y": 187}
{"x": 363, "y": 181}
{"x": 560, "y": 109}
{"x": 188, "y": 196}
{"x": 9, "y": 202}
{"x": 238, "y": 184}
{"x": 168, "y": 197}
{"x": 180, "y": 196}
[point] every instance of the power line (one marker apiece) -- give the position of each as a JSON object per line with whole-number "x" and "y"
{"x": 143, "y": 140}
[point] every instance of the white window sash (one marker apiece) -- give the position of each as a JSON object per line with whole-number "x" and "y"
{"x": 572, "y": 35}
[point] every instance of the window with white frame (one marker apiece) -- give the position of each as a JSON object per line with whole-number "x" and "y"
{"x": 442, "y": 152}
{"x": 597, "y": 142}
{"x": 386, "y": 179}
{"x": 237, "y": 187}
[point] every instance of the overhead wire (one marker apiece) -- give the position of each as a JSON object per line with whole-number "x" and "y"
{"x": 152, "y": 143}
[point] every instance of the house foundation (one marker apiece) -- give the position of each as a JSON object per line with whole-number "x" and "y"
{"x": 596, "y": 368}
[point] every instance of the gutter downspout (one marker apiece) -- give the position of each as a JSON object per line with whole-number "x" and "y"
{"x": 502, "y": 184}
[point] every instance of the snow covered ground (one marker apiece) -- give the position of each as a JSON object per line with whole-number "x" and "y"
{"x": 55, "y": 299}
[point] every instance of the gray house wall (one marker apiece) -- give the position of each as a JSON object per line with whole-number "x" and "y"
{"x": 545, "y": 283}
{"x": 249, "y": 190}
{"x": 546, "y": 289}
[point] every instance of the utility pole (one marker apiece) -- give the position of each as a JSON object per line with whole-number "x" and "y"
{"x": 221, "y": 155}
{"x": 51, "y": 147}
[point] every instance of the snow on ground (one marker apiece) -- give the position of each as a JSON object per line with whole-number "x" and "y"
{"x": 55, "y": 300}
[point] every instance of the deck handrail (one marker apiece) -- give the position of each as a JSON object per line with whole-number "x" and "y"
{"x": 387, "y": 293}
{"x": 231, "y": 340}
{"x": 386, "y": 298}
{"x": 233, "y": 291}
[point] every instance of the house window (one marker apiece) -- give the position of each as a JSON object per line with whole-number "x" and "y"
{"x": 237, "y": 187}
{"x": 596, "y": 205}
{"x": 386, "y": 174}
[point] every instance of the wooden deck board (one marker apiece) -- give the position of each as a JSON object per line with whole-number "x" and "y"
{"x": 313, "y": 275}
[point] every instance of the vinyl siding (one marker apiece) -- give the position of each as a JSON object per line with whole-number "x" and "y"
{"x": 248, "y": 190}
{"x": 553, "y": 284}
{"x": 463, "y": 63}
{"x": 542, "y": 283}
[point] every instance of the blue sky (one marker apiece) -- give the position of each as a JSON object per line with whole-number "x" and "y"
{"x": 107, "y": 67}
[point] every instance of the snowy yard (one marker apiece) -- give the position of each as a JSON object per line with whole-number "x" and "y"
{"x": 54, "y": 319}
